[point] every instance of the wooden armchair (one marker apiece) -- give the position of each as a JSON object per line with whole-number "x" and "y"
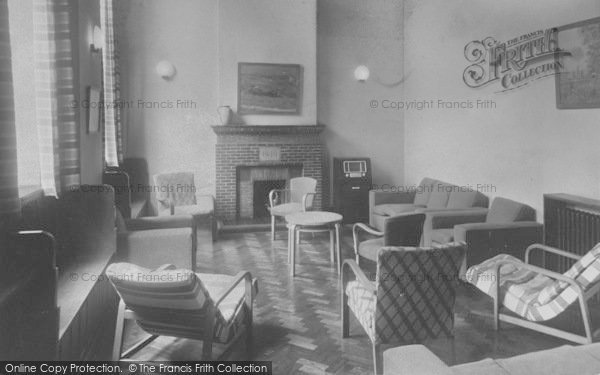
{"x": 411, "y": 299}
{"x": 536, "y": 294}
{"x": 401, "y": 230}
{"x": 177, "y": 302}
{"x": 299, "y": 197}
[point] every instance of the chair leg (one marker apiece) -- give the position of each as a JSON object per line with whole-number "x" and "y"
{"x": 138, "y": 346}
{"x": 289, "y": 245}
{"x": 293, "y": 249}
{"x": 587, "y": 323}
{"x": 338, "y": 248}
{"x": 214, "y": 228}
{"x": 331, "y": 246}
{"x": 207, "y": 349}
{"x": 118, "y": 338}
{"x": 345, "y": 316}
{"x": 377, "y": 360}
{"x": 496, "y": 313}
{"x": 209, "y": 329}
{"x": 249, "y": 301}
{"x": 272, "y": 228}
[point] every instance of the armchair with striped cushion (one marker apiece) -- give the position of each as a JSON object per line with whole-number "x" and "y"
{"x": 167, "y": 301}
{"x": 411, "y": 299}
{"x": 536, "y": 294}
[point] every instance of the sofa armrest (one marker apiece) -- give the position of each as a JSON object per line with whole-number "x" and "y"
{"x": 414, "y": 360}
{"x": 447, "y": 219}
{"x": 159, "y": 222}
{"x": 450, "y": 218}
{"x": 485, "y": 240}
{"x": 381, "y": 197}
{"x": 153, "y": 248}
{"x": 378, "y": 196}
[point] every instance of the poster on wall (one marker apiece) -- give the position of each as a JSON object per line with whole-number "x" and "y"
{"x": 269, "y": 89}
{"x": 578, "y": 80}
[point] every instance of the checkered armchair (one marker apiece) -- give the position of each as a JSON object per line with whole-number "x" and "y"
{"x": 536, "y": 294}
{"x": 410, "y": 300}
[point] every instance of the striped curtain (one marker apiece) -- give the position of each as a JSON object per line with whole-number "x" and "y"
{"x": 9, "y": 192}
{"x": 113, "y": 133}
{"x": 58, "y": 131}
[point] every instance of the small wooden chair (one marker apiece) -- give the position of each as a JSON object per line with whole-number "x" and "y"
{"x": 299, "y": 197}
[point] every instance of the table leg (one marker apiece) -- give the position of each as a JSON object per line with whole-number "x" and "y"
{"x": 331, "y": 245}
{"x": 289, "y": 244}
{"x": 338, "y": 248}
{"x": 293, "y": 250}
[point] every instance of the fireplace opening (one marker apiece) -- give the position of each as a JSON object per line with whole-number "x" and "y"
{"x": 260, "y": 200}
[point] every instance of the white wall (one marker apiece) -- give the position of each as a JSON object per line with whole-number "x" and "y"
{"x": 204, "y": 39}
{"x": 183, "y": 32}
{"x": 267, "y": 31}
{"x": 525, "y": 147}
{"x": 353, "y": 33}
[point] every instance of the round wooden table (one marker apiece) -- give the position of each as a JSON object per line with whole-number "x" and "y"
{"x": 313, "y": 221}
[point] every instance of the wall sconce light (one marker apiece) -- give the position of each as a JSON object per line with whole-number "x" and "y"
{"x": 361, "y": 73}
{"x": 165, "y": 70}
{"x": 97, "y": 40}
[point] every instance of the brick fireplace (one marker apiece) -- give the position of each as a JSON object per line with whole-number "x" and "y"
{"x": 252, "y": 156}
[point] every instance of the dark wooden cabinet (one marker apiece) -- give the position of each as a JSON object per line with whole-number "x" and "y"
{"x": 352, "y": 180}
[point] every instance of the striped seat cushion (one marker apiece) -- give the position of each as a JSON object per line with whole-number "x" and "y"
{"x": 531, "y": 295}
{"x": 174, "y": 302}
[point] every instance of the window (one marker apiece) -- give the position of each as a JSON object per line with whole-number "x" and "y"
{"x": 20, "y": 13}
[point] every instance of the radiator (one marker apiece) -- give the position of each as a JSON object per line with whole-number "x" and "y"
{"x": 571, "y": 223}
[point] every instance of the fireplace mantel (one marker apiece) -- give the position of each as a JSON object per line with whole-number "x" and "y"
{"x": 267, "y": 129}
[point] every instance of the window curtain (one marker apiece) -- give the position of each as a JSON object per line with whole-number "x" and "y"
{"x": 113, "y": 132}
{"x": 58, "y": 131}
{"x": 9, "y": 191}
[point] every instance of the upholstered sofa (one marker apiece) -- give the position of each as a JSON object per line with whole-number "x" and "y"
{"x": 507, "y": 227}
{"x": 418, "y": 360}
{"x": 430, "y": 195}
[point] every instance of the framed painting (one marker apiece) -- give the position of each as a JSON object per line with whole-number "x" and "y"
{"x": 578, "y": 65}
{"x": 93, "y": 106}
{"x": 269, "y": 89}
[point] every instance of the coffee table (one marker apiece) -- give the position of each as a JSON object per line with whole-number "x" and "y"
{"x": 313, "y": 221}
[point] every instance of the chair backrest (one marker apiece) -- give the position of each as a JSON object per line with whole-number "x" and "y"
{"x": 300, "y": 186}
{"x": 586, "y": 271}
{"x": 505, "y": 210}
{"x": 137, "y": 169}
{"x": 403, "y": 230}
{"x": 121, "y": 182}
{"x": 416, "y": 290}
{"x": 424, "y": 191}
{"x": 178, "y": 186}
{"x": 165, "y": 298}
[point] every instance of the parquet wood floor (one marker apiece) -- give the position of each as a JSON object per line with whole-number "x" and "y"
{"x": 297, "y": 321}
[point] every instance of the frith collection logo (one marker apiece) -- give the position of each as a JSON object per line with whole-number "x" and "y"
{"x": 514, "y": 63}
